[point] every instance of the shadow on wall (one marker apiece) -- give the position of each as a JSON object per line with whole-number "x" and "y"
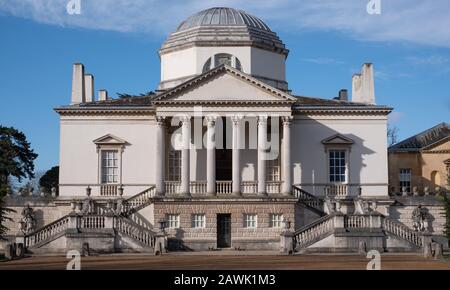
{"x": 315, "y": 171}
{"x": 176, "y": 243}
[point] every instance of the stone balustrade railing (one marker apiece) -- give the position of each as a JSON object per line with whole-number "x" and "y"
{"x": 135, "y": 231}
{"x": 109, "y": 190}
{"x": 47, "y": 232}
{"x": 198, "y": 187}
{"x": 91, "y": 222}
{"x": 357, "y": 221}
{"x": 173, "y": 187}
{"x": 249, "y": 187}
{"x": 314, "y": 231}
{"x": 337, "y": 190}
{"x": 308, "y": 199}
{"x": 273, "y": 187}
{"x": 88, "y": 223}
{"x": 139, "y": 200}
{"x": 402, "y": 231}
{"x": 224, "y": 187}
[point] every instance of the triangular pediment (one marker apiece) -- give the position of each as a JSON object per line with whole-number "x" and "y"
{"x": 224, "y": 84}
{"x": 338, "y": 139}
{"x": 109, "y": 140}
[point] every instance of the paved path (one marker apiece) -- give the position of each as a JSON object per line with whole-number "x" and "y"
{"x": 228, "y": 261}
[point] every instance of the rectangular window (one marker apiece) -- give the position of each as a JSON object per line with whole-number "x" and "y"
{"x": 174, "y": 165}
{"x": 173, "y": 221}
{"x": 276, "y": 221}
{"x": 405, "y": 179}
{"x": 250, "y": 221}
{"x": 198, "y": 221}
{"x": 272, "y": 170}
{"x": 337, "y": 166}
{"x": 110, "y": 166}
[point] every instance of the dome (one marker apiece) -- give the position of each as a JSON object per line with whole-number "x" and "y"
{"x": 222, "y": 16}
{"x": 221, "y": 26}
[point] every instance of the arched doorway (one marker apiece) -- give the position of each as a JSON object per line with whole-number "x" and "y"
{"x": 435, "y": 178}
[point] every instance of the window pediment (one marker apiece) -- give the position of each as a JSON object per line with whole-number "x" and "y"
{"x": 110, "y": 140}
{"x": 338, "y": 139}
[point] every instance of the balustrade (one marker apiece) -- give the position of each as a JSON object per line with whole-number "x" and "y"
{"x": 224, "y": 187}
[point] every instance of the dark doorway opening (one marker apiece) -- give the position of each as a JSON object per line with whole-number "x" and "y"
{"x": 224, "y": 157}
{"x": 223, "y": 231}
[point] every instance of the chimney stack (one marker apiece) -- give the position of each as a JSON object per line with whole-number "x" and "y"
{"x": 343, "y": 95}
{"x": 89, "y": 87}
{"x": 363, "y": 85}
{"x": 78, "y": 90}
{"x": 103, "y": 95}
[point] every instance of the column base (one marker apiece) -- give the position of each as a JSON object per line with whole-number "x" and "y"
{"x": 264, "y": 194}
{"x": 186, "y": 195}
{"x": 237, "y": 194}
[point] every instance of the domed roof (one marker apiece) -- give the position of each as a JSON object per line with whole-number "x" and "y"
{"x": 223, "y": 26}
{"x": 222, "y": 16}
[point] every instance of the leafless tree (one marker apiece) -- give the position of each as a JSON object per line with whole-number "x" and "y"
{"x": 392, "y": 134}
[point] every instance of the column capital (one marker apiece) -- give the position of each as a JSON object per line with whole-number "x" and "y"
{"x": 287, "y": 120}
{"x": 262, "y": 119}
{"x": 185, "y": 120}
{"x": 160, "y": 120}
{"x": 236, "y": 119}
{"x": 211, "y": 120}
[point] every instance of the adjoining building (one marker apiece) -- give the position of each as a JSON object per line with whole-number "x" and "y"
{"x": 421, "y": 162}
{"x": 223, "y": 155}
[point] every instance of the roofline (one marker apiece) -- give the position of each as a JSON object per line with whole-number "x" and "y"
{"x": 393, "y": 147}
{"x": 287, "y": 97}
{"x": 99, "y": 110}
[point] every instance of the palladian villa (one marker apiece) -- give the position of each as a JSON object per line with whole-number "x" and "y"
{"x": 223, "y": 155}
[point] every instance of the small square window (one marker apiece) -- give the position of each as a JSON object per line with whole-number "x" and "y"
{"x": 250, "y": 221}
{"x": 198, "y": 221}
{"x": 173, "y": 221}
{"x": 276, "y": 221}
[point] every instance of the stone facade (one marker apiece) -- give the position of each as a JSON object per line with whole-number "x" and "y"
{"x": 261, "y": 237}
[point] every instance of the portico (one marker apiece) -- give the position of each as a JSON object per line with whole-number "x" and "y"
{"x": 242, "y": 142}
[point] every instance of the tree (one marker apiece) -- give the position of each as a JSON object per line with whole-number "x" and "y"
{"x": 16, "y": 160}
{"x": 16, "y": 156}
{"x": 392, "y": 134}
{"x": 50, "y": 179}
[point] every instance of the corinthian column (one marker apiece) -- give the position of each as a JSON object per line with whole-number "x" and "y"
{"x": 286, "y": 156}
{"x": 160, "y": 155}
{"x": 185, "y": 152}
{"x": 236, "y": 163}
{"x": 262, "y": 140}
{"x": 211, "y": 156}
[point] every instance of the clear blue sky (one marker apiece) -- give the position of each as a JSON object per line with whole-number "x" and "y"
{"x": 36, "y": 55}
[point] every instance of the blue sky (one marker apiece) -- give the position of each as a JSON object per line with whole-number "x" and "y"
{"x": 117, "y": 40}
